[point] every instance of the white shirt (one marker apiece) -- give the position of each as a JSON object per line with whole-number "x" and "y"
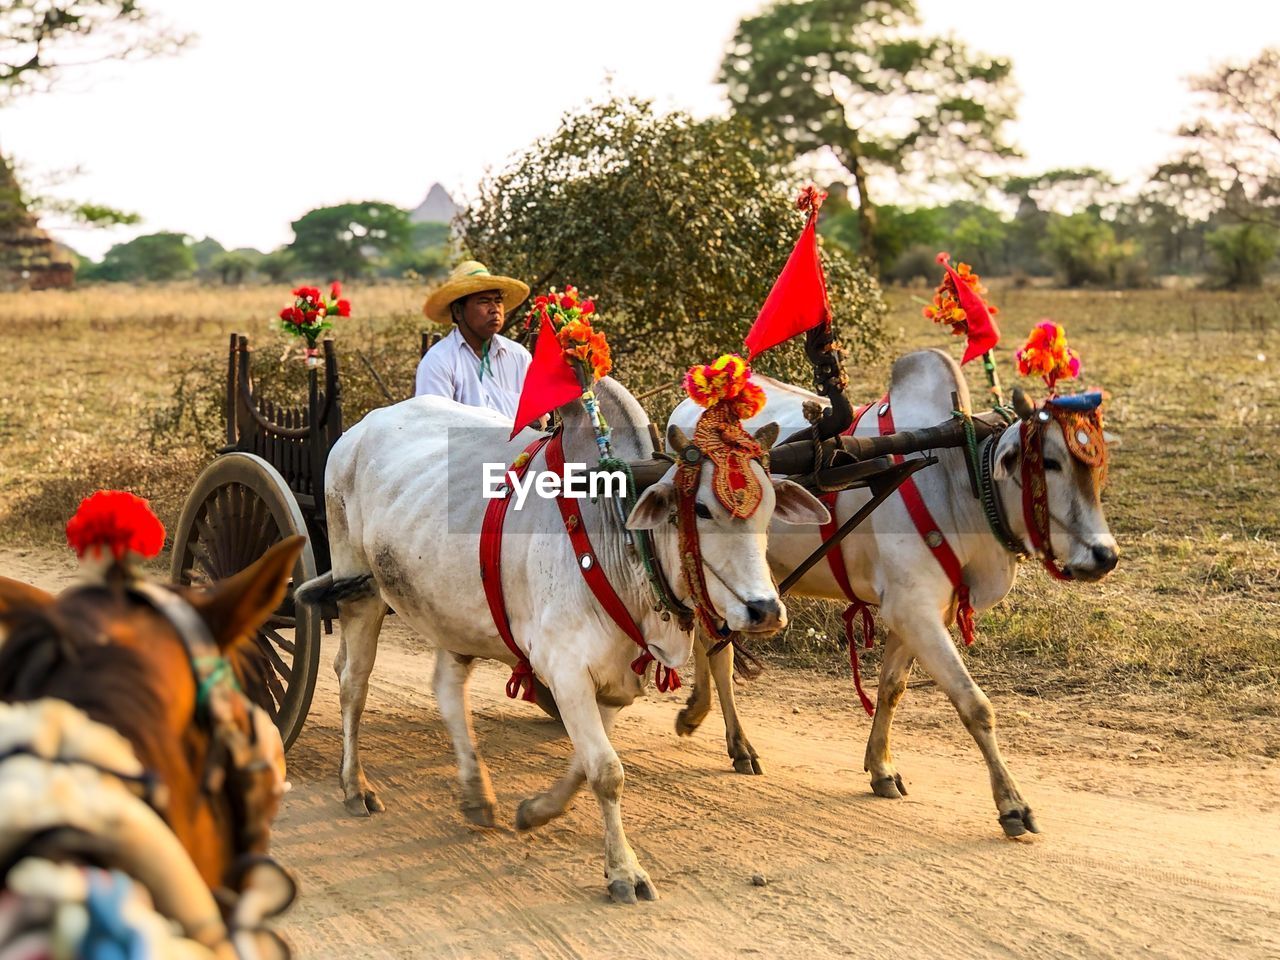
{"x": 452, "y": 369}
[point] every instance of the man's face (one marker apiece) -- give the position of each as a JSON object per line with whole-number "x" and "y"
{"x": 483, "y": 313}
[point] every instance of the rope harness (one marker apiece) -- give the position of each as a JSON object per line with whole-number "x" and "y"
{"x": 520, "y": 684}
{"x": 1080, "y": 419}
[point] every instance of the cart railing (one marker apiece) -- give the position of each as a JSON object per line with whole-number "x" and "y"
{"x": 295, "y": 440}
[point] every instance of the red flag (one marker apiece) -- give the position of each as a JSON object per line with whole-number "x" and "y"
{"x": 980, "y": 328}
{"x": 549, "y": 382}
{"x": 798, "y": 299}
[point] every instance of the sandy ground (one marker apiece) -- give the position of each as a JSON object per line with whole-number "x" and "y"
{"x": 1153, "y": 844}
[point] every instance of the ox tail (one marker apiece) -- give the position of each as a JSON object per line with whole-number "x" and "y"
{"x": 330, "y": 589}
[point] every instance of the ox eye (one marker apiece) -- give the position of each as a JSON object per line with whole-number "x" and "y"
{"x": 1052, "y": 464}
{"x": 701, "y": 511}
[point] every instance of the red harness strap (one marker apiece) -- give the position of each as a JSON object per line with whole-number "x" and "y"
{"x": 664, "y": 677}
{"x": 857, "y": 608}
{"x": 521, "y": 682}
{"x": 933, "y": 536}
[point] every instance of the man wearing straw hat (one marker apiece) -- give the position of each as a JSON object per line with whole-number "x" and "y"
{"x": 475, "y": 364}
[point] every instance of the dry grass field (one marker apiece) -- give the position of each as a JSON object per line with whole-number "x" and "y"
{"x": 120, "y": 387}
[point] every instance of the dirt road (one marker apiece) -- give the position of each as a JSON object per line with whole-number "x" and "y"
{"x": 1152, "y": 846}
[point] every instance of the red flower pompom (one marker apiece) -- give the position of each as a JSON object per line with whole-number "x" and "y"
{"x": 335, "y": 291}
{"x": 115, "y": 520}
{"x": 344, "y": 308}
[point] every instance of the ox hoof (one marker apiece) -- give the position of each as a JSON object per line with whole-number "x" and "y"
{"x": 749, "y": 765}
{"x": 363, "y": 804}
{"x": 526, "y": 815}
{"x": 1015, "y": 823}
{"x": 481, "y": 814}
{"x": 687, "y": 722}
{"x": 628, "y": 891}
{"x": 891, "y": 788}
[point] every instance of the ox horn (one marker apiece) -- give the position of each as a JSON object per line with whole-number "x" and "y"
{"x": 1022, "y": 404}
{"x": 767, "y": 435}
{"x": 676, "y": 440}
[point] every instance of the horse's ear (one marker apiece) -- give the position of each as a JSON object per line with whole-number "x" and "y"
{"x": 17, "y": 597}
{"x": 239, "y": 604}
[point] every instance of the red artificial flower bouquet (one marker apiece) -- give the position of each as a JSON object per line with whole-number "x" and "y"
{"x": 309, "y": 316}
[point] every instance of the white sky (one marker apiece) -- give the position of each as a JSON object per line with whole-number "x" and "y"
{"x": 281, "y": 106}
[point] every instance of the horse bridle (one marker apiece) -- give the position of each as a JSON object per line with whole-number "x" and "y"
{"x": 238, "y": 764}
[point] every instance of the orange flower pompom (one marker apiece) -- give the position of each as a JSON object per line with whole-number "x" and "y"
{"x": 118, "y": 521}
{"x": 580, "y": 341}
{"x": 726, "y": 380}
{"x": 946, "y": 300}
{"x": 1046, "y": 353}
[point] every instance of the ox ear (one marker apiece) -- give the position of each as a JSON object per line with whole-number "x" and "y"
{"x": 767, "y": 435}
{"x": 795, "y": 504}
{"x": 17, "y": 598}
{"x": 653, "y": 508}
{"x": 234, "y": 607}
{"x": 1111, "y": 439}
{"x": 1006, "y": 463}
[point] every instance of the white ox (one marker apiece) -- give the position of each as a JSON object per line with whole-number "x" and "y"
{"x": 889, "y": 565}
{"x": 403, "y": 494}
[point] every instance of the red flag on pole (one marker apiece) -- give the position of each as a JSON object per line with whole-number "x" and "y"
{"x": 980, "y": 328}
{"x": 549, "y": 383}
{"x": 798, "y": 299}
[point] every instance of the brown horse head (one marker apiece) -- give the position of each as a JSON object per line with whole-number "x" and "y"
{"x": 109, "y": 651}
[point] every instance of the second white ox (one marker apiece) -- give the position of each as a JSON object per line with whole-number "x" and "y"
{"x": 890, "y": 565}
{"x": 405, "y": 514}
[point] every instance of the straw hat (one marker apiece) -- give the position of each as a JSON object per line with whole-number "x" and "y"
{"x": 467, "y": 278}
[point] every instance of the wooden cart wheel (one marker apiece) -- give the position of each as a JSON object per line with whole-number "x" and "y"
{"x": 239, "y": 507}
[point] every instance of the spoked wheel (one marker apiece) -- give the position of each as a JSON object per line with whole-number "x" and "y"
{"x": 239, "y": 507}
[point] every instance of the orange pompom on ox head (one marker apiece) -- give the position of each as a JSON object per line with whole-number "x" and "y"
{"x": 725, "y": 389}
{"x": 1046, "y": 353}
{"x": 727, "y": 380}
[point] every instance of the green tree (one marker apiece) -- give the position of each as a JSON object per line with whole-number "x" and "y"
{"x": 1233, "y": 144}
{"x": 231, "y": 266}
{"x": 678, "y": 227}
{"x": 349, "y": 240}
{"x": 154, "y": 256}
{"x": 1064, "y": 190}
{"x": 978, "y": 235}
{"x": 278, "y": 265}
{"x": 858, "y": 77}
{"x": 206, "y": 251}
{"x": 1086, "y": 251}
{"x": 42, "y": 39}
{"x": 1242, "y": 253}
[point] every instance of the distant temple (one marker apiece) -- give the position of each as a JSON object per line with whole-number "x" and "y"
{"x": 437, "y": 207}
{"x": 29, "y": 258}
